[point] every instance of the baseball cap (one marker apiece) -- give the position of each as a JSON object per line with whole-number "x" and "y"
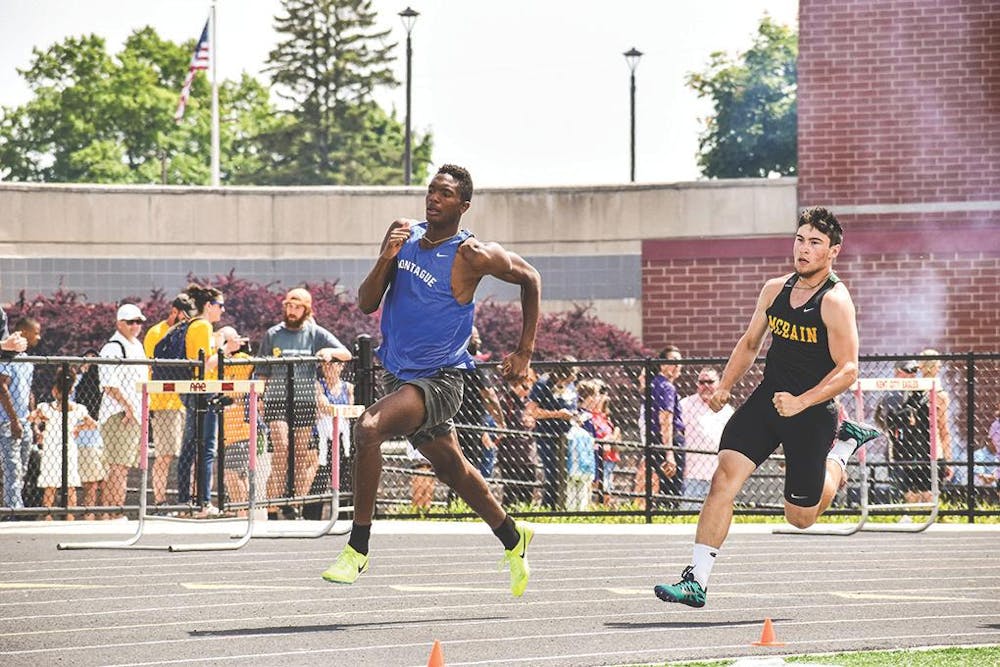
{"x": 299, "y": 296}
{"x": 130, "y": 311}
{"x": 906, "y": 365}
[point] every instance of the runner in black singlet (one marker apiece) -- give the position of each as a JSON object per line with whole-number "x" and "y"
{"x": 813, "y": 357}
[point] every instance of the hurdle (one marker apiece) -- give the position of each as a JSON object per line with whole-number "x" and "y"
{"x": 913, "y": 384}
{"x": 339, "y": 411}
{"x": 884, "y": 384}
{"x": 253, "y": 388}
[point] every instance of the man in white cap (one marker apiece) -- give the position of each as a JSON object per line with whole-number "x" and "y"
{"x": 120, "y": 410}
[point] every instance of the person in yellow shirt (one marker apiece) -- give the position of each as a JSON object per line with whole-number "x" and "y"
{"x": 236, "y": 425}
{"x": 209, "y": 305}
{"x": 166, "y": 412}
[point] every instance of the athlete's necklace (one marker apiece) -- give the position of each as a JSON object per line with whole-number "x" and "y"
{"x": 806, "y": 285}
{"x": 434, "y": 244}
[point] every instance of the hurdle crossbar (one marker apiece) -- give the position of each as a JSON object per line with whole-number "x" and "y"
{"x": 884, "y": 384}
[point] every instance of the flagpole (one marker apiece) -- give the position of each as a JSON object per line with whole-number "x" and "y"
{"x": 213, "y": 51}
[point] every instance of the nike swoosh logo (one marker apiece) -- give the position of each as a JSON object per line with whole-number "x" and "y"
{"x": 798, "y": 497}
{"x": 440, "y": 255}
{"x": 808, "y": 310}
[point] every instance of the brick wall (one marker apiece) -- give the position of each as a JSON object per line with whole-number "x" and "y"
{"x": 899, "y": 101}
{"x": 911, "y": 292}
{"x": 899, "y": 134}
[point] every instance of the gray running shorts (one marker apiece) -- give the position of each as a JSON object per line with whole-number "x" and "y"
{"x": 442, "y": 398}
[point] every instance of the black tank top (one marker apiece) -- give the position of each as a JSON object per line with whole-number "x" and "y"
{"x": 799, "y": 356}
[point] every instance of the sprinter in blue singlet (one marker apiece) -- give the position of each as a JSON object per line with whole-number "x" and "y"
{"x": 425, "y": 279}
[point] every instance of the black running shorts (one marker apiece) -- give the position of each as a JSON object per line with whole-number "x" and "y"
{"x": 755, "y": 430}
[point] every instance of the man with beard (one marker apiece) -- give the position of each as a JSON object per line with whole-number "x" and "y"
{"x": 813, "y": 358}
{"x": 297, "y": 335}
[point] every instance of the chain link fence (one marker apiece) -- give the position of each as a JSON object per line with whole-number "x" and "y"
{"x": 577, "y": 438}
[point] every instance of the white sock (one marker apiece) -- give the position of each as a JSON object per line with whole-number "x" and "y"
{"x": 841, "y": 451}
{"x": 702, "y": 560}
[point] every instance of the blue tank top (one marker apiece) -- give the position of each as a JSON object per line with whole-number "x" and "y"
{"x": 338, "y": 395}
{"x": 424, "y": 329}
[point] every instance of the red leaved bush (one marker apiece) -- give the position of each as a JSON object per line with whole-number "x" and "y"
{"x": 577, "y": 332}
{"x": 71, "y": 325}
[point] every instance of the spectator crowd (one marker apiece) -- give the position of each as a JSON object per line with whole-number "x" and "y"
{"x": 567, "y": 438}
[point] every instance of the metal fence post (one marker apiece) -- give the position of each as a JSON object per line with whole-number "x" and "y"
{"x": 970, "y": 435}
{"x": 290, "y": 422}
{"x": 220, "y": 438}
{"x": 199, "y": 432}
{"x": 364, "y": 373}
{"x": 64, "y": 388}
{"x": 647, "y": 454}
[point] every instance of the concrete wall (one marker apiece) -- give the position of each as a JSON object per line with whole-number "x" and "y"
{"x": 111, "y": 242}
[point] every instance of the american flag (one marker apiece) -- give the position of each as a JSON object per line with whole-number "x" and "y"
{"x": 200, "y": 60}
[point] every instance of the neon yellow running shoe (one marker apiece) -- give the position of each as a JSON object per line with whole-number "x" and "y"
{"x": 347, "y": 568}
{"x": 517, "y": 559}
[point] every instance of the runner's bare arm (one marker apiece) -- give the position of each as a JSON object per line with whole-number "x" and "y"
{"x": 377, "y": 281}
{"x": 491, "y": 259}
{"x": 748, "y": 346}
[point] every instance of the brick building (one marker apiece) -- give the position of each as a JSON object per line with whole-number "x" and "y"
{"x": 899, "y": 134}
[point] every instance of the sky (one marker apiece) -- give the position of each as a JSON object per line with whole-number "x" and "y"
{"x": 521, "y": 92}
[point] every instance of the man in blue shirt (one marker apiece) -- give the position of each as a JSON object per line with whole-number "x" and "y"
{"x": 425, "y": 278}
{"x": 15, "y": 401}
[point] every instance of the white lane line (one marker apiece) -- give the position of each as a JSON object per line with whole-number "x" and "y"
{"x": 446, "y": 592}
{"x": 196, "y": 586}
{"x": 475, "y": 606}
{"x": 885, "y": 596}
{"x": 532, "y": 638}
{"x": 425, "y": 588}
{"x": 658, "y": 614}
{"x": 35, "y": 585}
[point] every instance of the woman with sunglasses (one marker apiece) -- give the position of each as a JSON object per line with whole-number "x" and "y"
{"x": 209, "y": 304}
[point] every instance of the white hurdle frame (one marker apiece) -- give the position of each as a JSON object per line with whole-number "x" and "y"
{"x": 147, "y": 387}
{"x": 885, "y": 384}
{"x": 347, "y": 412}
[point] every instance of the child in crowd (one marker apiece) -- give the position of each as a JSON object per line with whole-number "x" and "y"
{"x": 48, "y": 420}
{"x": 594, "y": 418}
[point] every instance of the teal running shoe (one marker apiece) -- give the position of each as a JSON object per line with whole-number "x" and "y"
{"x": 686, "y": 591}
{"x": 859, "y": 432}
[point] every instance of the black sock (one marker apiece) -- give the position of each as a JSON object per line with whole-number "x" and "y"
{"x": 359, "y": 538}
{"x": 507, "y": 533}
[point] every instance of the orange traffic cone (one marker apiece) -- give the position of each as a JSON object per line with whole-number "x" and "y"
{"x": 767, "y": 635}
{"x": 437, "y": 656}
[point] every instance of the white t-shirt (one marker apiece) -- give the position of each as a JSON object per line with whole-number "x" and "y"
{"x": 123, "y": 377}
{"x": 702, "y": 430}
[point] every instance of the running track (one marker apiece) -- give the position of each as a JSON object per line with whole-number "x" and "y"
{"x": 590, "y": 601}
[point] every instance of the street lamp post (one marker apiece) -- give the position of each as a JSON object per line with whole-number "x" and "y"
{"x": 632, "y": 59}
{"x": 409, "y": 17}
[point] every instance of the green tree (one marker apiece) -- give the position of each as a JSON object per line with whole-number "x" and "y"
{"x": 327, "y": 67}
{"x": 109, "y": 119}
{"x": 752, "y": 132}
